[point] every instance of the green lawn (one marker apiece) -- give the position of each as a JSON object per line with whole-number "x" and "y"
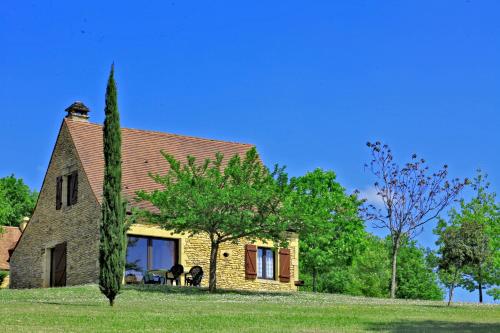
{"x": 156, "y": 309}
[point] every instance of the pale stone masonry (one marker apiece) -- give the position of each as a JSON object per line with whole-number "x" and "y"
{"x": 79, "y": 149}
{"x": 77, "y": 225}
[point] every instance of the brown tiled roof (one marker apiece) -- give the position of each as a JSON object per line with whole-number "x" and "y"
{"x": 141, "y": 154}
{"x": 8, "y": 240}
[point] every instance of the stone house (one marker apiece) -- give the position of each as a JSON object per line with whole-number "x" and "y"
{"x": 60, "y": 244}
{"x": 8, "y": 240}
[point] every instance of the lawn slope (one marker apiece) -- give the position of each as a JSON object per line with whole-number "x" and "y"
{"x": 156, "y": 309}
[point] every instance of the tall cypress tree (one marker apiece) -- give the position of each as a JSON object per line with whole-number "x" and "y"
{"x": 112, "y": 230}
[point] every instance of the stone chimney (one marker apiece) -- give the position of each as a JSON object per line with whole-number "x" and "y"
{"x": 78, "y": 111}
{"x": 23, "y": 224}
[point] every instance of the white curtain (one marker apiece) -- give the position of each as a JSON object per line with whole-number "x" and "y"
{"x": 269, "y": 264}
{"x": 259, "y": 263}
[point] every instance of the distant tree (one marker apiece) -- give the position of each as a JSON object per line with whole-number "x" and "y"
{"x": 370, "y": 274}
{"x": 241, "y": 200}
{"x": 16, "y": 201}
{"x": 411, "y": 197}
{"x": 112, "y": 247}
{"x": 478, "y": 221}
{"x": 495, "y": 293}
{"x": 332, "y": 229}
{"x": 416, "y": 278}
{"x": 457, "y": 243}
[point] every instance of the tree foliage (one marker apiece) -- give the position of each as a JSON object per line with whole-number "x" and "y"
{"x": 416, "y": 278}
{"x": 112, "y": 247}
{"x": 332, "y": 231}
{"x": 226, "y": 202}
{"x": 470, "y": 241}
{"x": 411, "y": 197}
{"x": 369, "y": 273}
{"x": 16, "y": 201}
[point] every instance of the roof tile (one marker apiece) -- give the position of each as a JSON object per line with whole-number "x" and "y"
{"x": 141, "y": 155}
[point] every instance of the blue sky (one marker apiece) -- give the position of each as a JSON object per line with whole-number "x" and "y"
{"x": 308, "y": 82}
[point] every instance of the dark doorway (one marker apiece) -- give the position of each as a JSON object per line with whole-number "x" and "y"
{"x": 58, "y": 266}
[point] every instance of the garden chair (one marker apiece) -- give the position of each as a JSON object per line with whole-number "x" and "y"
{"x": 176, "y": 272}
{"x": 194, "y": 276}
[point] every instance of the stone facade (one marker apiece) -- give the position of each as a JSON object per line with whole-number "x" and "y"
{"x": 78, "y": 225}
{"x": 195, "y": 251}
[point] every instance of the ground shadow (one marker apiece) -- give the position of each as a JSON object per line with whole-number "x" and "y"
{"x": 434, "y": 326}
{"x": 154, "y": 288}
{"x": 63, "y": 303}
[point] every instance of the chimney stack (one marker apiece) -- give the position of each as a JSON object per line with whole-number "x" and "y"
{"x": 78, "y": 111}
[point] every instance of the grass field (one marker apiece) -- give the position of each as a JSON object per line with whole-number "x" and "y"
{"x": 161, "y": 309}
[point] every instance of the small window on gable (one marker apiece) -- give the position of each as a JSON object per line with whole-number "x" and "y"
{"x": 72, "y": 188}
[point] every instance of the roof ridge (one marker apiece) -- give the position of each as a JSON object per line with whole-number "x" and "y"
{"x": 165, "y": 133}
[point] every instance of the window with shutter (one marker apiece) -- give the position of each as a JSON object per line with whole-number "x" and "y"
{"x": 284, "y": 265}
{"x": 250, "y": 261}
{"x": 72, "y": 189}
{"x": 265, "y": 263}
{"x": 59, "y": 185}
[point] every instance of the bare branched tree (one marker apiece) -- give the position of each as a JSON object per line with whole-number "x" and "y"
{"x": 411, "y": 196}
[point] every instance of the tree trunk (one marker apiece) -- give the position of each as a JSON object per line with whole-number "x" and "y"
{"x": 480, "y": 285}
{"x": 315, "y": 277}
{"x": 212, "y": 282}
{"x": 395, "y": 249}
{"x": 450, "y": 294}
{"x": 480, "y": 288}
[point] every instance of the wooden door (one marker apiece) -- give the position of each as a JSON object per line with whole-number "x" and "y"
{"x": 58, "y": 266}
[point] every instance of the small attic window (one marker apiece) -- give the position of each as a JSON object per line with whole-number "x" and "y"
{"x": 72, "y": 192}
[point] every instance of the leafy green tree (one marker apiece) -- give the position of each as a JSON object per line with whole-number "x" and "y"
{"x": 495, "y": 293}
{"x": 478, "y": 221}
{"x": 241, "y": 200}
{"x": 16, "y": 201}
{"x": 457, "y": 244}
{"x": 416, "y": 278}
{"x": 411, "y": 196}
{"x": 112, "y": 247}
{"x": 332, "y": 230}
{"x": 370, "y": 273}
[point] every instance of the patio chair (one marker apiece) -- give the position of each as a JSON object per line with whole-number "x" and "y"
{"x": 176, "y": 272}
{"x": 194, "y": 276}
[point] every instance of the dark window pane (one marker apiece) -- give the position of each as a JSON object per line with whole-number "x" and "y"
{"x": 137, "y": 257}
{"x": 163, "y": 253}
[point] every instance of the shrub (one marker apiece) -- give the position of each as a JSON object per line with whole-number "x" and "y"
{"x": 3, "y": 275}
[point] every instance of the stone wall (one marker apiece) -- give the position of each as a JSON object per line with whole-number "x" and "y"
{"x": 77, "y": 225}
{"x": 231, "y": 269}
{"x": 195, "y": 251}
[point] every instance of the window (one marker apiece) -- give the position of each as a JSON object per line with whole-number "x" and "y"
{"x": 59, "y": 187}
{"x": 72, "y": 188}
{"x": 265, "y": 263}
{"x": 147, "y": 253}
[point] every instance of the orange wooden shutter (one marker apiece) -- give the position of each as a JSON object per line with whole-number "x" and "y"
{"x": 284, "y": 265}
{"x": 250, "y": 261}
{"x": 59, "y": 183}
